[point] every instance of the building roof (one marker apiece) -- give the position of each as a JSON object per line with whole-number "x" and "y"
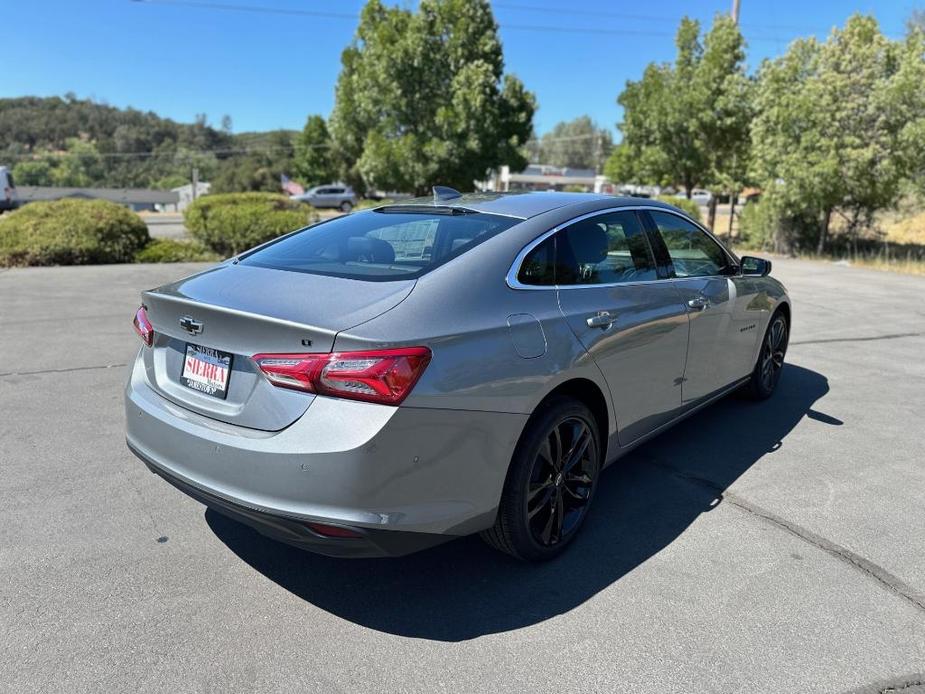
{"x": 550, "y": 170}
{"x": 526, "y": 204}
{"x": 125, "y": 196}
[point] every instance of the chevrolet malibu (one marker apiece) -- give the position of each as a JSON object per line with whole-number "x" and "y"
{"x": 384, "y": 381}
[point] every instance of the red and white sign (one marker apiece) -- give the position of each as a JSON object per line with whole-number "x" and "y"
{"x": 206, "y": 370}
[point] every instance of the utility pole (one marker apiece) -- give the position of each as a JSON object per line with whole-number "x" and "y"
{"x": 735, "y": 11}
{"x": 195, "y": 182}
{"x": 597, "y": 152}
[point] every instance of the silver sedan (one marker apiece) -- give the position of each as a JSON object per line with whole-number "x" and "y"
{"x": 391, "y": 379}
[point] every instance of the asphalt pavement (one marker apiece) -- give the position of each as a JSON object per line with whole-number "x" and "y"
{"x": 771, "y": 547}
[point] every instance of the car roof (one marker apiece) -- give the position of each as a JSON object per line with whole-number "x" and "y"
{"x": 526, "y": 204}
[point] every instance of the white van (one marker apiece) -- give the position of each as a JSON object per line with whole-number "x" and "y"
{"x": 8, "y": 200}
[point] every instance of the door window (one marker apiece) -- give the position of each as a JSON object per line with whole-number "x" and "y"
{"x": 693, "y": 253}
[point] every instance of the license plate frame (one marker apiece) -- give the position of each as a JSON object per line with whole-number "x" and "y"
{"x": 206, "y": 370}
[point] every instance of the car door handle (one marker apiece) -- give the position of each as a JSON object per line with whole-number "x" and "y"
{"x": 601, "y": 319}
{"x": 699, "y": 303}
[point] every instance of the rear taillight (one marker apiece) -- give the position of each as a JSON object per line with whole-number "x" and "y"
{"x": 143, "y": 326}
{"x": 385, "y": 375}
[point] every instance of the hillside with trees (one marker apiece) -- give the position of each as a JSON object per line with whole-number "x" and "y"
{"x": 79, "y": 142}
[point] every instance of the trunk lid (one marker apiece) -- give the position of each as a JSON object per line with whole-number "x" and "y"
{"x": 242, "y": 311}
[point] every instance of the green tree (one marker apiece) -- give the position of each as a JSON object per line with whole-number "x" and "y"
{"x": 840, "y": 126}
{"x": 686, "y": 123}
{"x": 916, "y": 21}
{"x": 313, "y": 162}
{"x": 578, "y": 144}
{"x": 36, "y": 172}
{"x": 269, "y": 156}
{"x": 80, "y": 167}
{"x": 422, "y": 98}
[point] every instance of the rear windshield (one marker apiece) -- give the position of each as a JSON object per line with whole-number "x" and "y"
{"x": 380, "y": 246}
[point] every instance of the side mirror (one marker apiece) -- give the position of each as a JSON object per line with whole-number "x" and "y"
{"x": 755, "y": 267}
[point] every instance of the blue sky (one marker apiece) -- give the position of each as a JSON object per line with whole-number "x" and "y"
{"x": 270, "y": 70}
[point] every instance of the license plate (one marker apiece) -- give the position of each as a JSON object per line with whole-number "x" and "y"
{"x": 206, "y": 370}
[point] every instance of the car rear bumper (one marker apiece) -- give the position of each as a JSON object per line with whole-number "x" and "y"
{"x": 383, "y": 471}
{"x": 292, "y": 531}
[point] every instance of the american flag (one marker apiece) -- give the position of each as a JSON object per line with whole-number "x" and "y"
{"x": 289, "y": 186}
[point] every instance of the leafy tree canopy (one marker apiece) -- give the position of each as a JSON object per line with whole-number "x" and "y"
{"x": 686, "y": 123}
{"x": 422, "y": 98}
{"x": 313, "y": 162}
{"x": 264, "y": 159}
{"x": 579, "y": 143}
{"x": 840, "y": 125}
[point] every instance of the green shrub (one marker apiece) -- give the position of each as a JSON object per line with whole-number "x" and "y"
{"x": 689, "y": 207}
{"x": 756, "y": 225}
{"x": 175, "y": 251}
{"x": 71, "y": 232}
{"x": 365, "y": 204}
{"x": 233, "y": 222}
{"x": 771, "y": 225}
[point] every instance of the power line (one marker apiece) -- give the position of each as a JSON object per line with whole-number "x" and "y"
{"x": 185, "y": 154}
{"x": 542, "y": 28}
{"x": 249, "y": 8}
{"x": 626, "y": 15}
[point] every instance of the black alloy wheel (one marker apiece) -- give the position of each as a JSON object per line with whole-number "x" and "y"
{"x": 550, "y": 484}
{"x": 770, "y": 363}
{"x": 560, "y": 485}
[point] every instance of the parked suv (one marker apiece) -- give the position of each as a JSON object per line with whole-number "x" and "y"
{"x": 333, "y": 195}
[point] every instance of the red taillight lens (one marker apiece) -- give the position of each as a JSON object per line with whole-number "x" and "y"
{"x": 143, "y": 326}
{"x": 385, "y": 376}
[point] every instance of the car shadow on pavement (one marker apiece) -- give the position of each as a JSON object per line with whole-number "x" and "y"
{"x": 463, "y": 589}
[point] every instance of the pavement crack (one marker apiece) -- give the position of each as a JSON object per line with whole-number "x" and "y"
{"x": 827, "y": 340}
{"x": 913, "y": 682}
{"x": 61, "y": 371}
{"x": 845, "y": 555}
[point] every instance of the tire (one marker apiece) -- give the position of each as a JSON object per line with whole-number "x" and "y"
{"x": 541, "y": 508}
{"x": 346, "y": 206}
{"x": 770, "y": 363}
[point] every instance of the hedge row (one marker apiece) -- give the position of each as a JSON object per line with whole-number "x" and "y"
{"x": 71, "y": 232}
{"x": 234, "y": 222}
{"x": 175, "y": 251}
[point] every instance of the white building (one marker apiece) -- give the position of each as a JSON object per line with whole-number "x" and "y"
{"x": 545, "y": 177}
{"x": 185, "y": 194}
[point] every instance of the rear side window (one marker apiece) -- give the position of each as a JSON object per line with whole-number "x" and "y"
{"x": 605, "y": 249}
{"x": 380, "y": 245}
{"x": 539, "y": 267}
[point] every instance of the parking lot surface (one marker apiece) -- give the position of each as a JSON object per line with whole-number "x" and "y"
{"x": 771, "y": 547}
